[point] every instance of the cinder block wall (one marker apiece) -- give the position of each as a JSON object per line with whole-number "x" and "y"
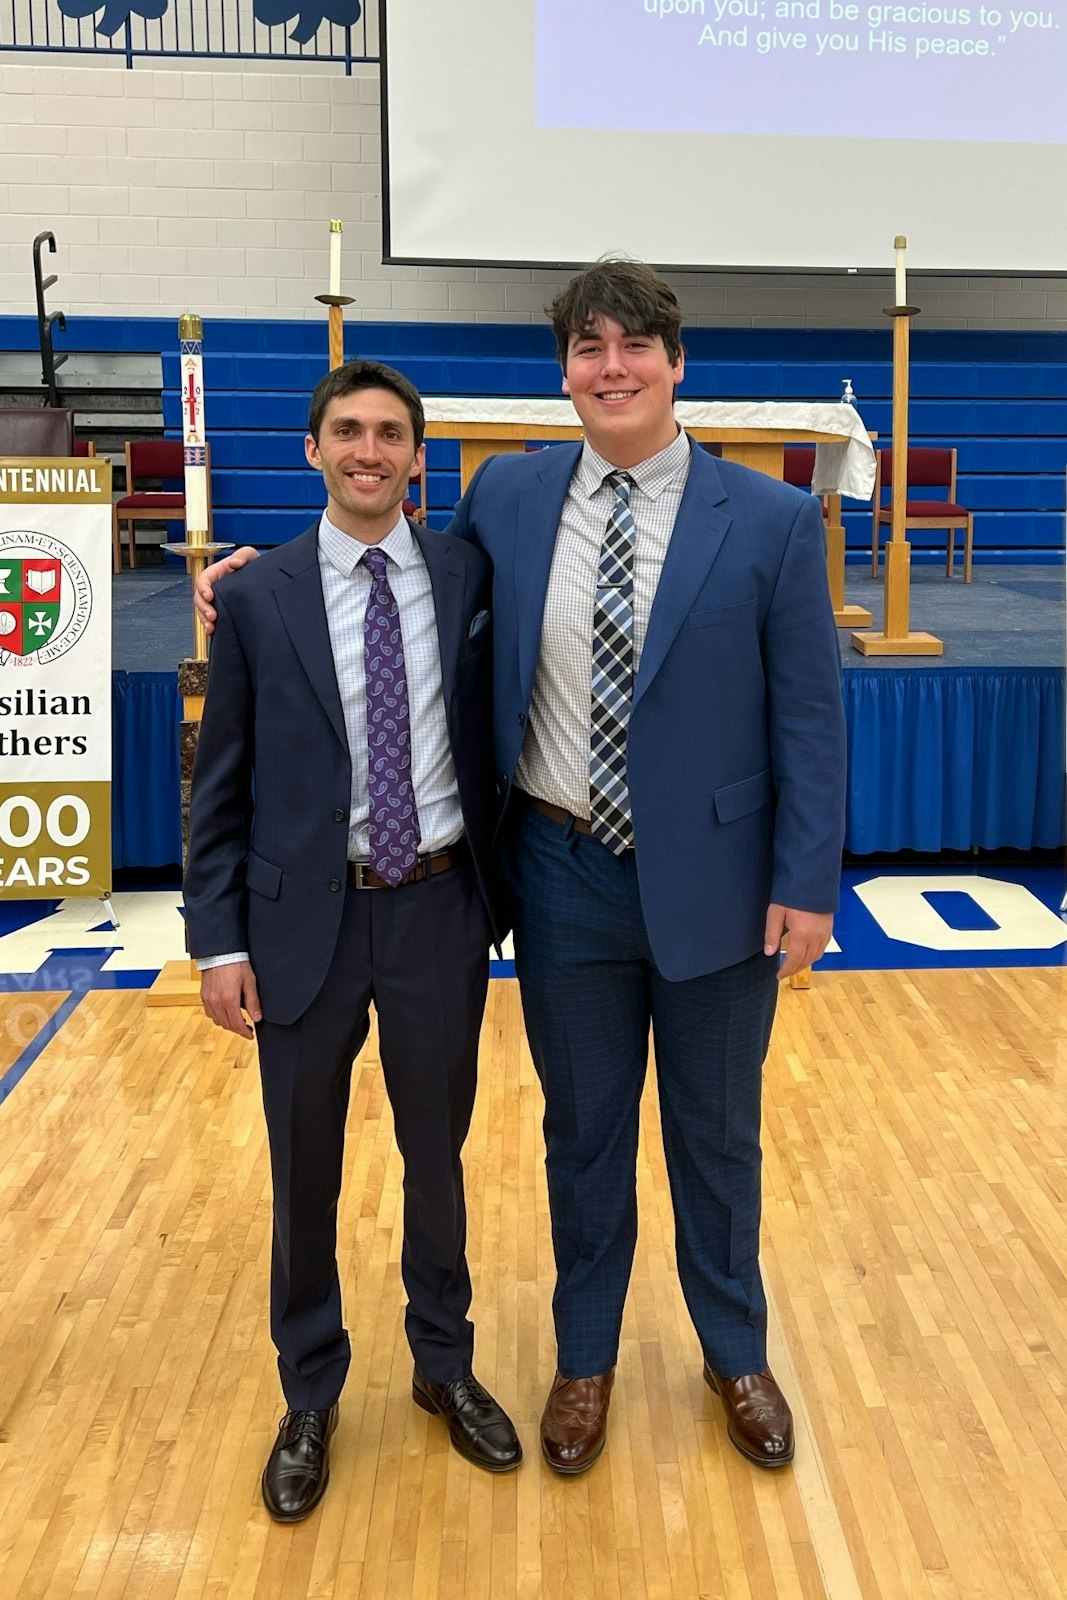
{"x": 170, "y": 190}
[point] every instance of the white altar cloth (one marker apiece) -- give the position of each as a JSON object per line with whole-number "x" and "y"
{"x": 845, "y": 468}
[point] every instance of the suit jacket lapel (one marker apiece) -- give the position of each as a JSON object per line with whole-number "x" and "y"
{"x": 303, "y": 611}
{"x": 538, "y": 513}
{"x": 446, "y": 582}
{"x": 699, "y": 530}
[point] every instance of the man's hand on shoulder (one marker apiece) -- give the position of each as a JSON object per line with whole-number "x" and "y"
{"x": 204, "y": 589}
{"x": 808, "y": 932}
{"x": 226, "y": 993}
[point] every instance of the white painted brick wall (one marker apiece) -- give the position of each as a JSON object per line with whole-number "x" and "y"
{"x": 171, "y": 190}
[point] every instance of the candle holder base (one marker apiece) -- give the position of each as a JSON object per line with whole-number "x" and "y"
{"x": 912, "y": 644}
{"x": 212, "y": 548}
{"x": 335, "y": 299}
{"x": 852, "y": 617}
{"x": 900, "y": 311}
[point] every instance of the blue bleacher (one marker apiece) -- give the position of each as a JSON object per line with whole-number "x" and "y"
{"x": 999, "y": 396}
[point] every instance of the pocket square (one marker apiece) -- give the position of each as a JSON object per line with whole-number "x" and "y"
{"x": 478, "y": 624}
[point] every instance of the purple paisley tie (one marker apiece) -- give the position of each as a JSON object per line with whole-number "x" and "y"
{"x": 394, "y": 821}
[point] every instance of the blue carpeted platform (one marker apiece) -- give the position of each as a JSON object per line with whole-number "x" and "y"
{"x": 951, "y": 754}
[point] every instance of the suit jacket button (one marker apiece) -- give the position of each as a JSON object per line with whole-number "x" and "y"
{"x": 339, "y": 815}
{"x": 335, "y": 885}
{"x": 522, "y": 719}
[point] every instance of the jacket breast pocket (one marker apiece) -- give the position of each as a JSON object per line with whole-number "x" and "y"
{"x": 474, "y": 649}
{"x": 263, "y": 877}
{"x": 736, "y": 800}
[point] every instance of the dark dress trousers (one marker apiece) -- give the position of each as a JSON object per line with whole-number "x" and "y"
{"x": 267, "y": 873}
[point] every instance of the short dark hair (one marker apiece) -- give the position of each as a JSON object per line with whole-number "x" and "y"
{"x": 628, "y": 292}
{"x": 356, "y": 375}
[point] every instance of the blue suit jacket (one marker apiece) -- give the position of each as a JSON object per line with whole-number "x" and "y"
{"x": 736, "y": 746}
{"x": 273, "y": 780}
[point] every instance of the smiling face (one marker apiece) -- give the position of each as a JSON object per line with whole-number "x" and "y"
{"x": 622, "y": 386}
{"x": 366, "y": 454}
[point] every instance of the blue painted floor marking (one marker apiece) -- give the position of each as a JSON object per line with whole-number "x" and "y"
{"x": 891, "y": 918}
{"x": 18, "y": 1070}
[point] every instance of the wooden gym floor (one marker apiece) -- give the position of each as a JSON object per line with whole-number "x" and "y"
{"x": 915, "y": 1249}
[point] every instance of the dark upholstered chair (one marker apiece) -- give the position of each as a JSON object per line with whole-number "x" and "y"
{"x": 798, "y": 465}
{"x": 929, "y": 467}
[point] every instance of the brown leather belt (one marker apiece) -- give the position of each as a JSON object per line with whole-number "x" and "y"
{"x": 558, "y": 814}
{"x": 361, "y": 875}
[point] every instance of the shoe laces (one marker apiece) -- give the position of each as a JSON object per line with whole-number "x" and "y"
{"x": 298, "y": 1425}
{"x": 467, "y": 1389}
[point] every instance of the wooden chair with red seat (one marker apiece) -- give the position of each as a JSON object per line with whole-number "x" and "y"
{"x": 84, "y": 447}
{"x": 929, "y": 467}
{"x": 154, "y": 459}
{"x": 798, "y": 467}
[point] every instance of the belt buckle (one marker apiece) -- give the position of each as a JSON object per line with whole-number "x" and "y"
{"x": 358, "y": 874}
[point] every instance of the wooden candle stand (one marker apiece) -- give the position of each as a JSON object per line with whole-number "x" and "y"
{"x": 896, "y": 638}
{"x": 336, "y": 303}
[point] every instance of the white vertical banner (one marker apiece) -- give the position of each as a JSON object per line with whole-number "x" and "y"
{"x": 55, "y": 677}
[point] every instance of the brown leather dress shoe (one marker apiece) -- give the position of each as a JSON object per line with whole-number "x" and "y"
{"x": 298, "y": 1467}
{"x": 479, "y": 1428}
{"x": 574, "y": 1423}
{"x": 758, "y": 1418}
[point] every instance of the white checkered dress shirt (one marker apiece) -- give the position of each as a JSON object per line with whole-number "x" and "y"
{"x": 346, "y": 586}
{"x": 554, "y": 764}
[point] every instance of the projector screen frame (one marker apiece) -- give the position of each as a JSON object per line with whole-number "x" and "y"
{"x": 704, "y": 268}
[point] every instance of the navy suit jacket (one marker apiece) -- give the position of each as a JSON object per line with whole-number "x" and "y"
{"x": 736, "y": 745}
{"x": 272, "y": 784}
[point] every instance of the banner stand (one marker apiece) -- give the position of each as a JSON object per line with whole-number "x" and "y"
{"x": 55, "y": 679}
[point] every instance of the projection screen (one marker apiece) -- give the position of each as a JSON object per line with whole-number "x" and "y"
{"x": 744, "y": 134}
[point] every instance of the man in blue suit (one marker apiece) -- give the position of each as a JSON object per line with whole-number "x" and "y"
{"x": 343, "y": 808}
{"x": 670, "y": 748}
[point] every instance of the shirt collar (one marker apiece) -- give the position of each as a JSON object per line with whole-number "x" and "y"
{"x": 652, "y": 476}
{"x": 345, "y": 553}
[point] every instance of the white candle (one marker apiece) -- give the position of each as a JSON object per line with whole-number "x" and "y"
{"x": 196, "y": 500}
{"x": 335, "y": 256}
{"x": 900, "y": 245}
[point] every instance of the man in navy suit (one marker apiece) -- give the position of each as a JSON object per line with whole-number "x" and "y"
{"x": 342, "y": 813}
{"x": 670, "y": 747}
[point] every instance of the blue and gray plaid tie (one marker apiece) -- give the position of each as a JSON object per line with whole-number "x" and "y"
{"x": 613, "y": 675}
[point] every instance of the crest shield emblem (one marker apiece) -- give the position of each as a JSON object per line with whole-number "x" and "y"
{"x": 30, "y": 593}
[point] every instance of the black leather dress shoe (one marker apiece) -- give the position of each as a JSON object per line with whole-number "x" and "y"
{"x": 298, "y": 1468}
{"x": 480, "y": 1429}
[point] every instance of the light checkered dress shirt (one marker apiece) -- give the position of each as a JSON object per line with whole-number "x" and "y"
{"x": 346, "y": 586}
{"x": 554, "y": 764}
